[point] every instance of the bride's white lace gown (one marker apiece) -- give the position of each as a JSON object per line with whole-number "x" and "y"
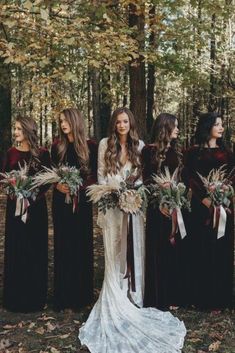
{"x": 115, "y": 324}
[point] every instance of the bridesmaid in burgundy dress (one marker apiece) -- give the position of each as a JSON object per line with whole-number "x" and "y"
{"x": 163, "y": 277}
{"x": 212, "y": 257}
{"x": 26, "y": 244}
{"x": 73, "y": 231}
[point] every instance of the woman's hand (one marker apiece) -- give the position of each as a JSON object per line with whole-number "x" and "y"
{"x": 207, "y": 202}
{"x": 165, "y": 211}
{"x": 63, "y": 188}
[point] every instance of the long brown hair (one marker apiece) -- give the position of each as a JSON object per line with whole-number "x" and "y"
{"x": 113, "y": 151}
{"x": 74, "y": 117}
{"x": 30, "y": 129}
{"x": 162, "y": 129}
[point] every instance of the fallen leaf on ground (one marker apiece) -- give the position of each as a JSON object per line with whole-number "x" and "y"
{"x": 213, "y": 347}
{"x": 54, "y": 350}
{"x": 4, "y": 343}
{"x": 31, "y": 325}
{"x": 50, "y": 326}
{"x": 65, "y": 336}
{"x": 9, "y": 327}
{"x": 40, "y": 330}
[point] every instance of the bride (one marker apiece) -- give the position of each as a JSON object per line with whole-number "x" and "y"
{"x": 117, "y": 322}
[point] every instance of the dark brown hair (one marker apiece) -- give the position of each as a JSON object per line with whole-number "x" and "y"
{"x": 162, "y": 129}
{"x": 29, "y": 129}
{"x": 74, "y": 117}
{"x": 113, "y": 151}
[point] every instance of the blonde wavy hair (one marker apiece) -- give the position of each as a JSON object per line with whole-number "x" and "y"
{"x": 74, "y": 117}
{"x": 113, "y": 151}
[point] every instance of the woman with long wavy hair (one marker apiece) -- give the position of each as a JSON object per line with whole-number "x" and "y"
{"x": 26, "y": 242}
{"x": 73, "y": 231}
{"x": 212, "y": 253}
{"x": 162, "y": 276}
{"x": 117, "y": 323}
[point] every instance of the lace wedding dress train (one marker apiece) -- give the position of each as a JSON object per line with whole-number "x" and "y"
{"x": 116, "y": 323}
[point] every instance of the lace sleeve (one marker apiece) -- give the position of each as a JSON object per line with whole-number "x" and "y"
{"x": 101, "y": 163}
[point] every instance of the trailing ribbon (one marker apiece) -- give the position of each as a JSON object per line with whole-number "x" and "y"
{"x": 68, "y": 198}
{"x": 180, "y": 221}
{"x": 219, "y": 220}
{"x": 74, "y": 200}
{"x": 127, "y": 265}
{"x": 177, "y": 222}
{"x": 22, "y": 205}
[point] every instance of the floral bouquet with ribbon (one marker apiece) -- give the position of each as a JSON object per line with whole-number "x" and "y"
{"x": 64, "y": 174}
{"x": 130, "y": 196}
{"x": 18, "y": 185}
{"x": 170, "y": 194}
{"x": 220, "y": 191}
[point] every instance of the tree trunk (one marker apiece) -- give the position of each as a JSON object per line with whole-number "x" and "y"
{"x": 5, "y": 107}
{"x": 213, "y": 90}
{"x": 137, "y": 72}
{"x": 95, "y": 83}
{"x": 105, "y": 103}
{"x": 151, "y": 75}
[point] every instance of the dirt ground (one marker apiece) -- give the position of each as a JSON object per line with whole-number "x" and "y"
{"x": 57, "y": 332}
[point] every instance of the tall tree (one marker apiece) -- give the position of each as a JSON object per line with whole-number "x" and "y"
{"x": 137, "y": 68}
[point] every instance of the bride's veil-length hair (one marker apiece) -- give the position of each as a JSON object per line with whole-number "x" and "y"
{"x": 113, "y": 151}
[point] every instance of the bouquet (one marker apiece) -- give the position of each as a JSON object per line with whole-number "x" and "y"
{"x": 219, "y": 189}
{"x": 168, "y": 193}
{"x": 130, "y": 197}
{"x": 64, "y": 174}
{"x": 18, "y": 185}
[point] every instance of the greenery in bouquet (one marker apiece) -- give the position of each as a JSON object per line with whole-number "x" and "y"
{"x": 63, "y": 174}
{"x": 18, "y": 184}
{"x": 218, "y": 185}
{"x": 168, "y": 192}
{"x": 129, "y": 195}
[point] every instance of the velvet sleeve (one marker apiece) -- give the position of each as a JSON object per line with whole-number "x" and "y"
{"x": 54, "y": 154}
{"x": 7, "y": 162}
{"x": 190, "y": 176}
{"x": 146, "y": 164}
{"x": 231, "y": 166}
{"x": 45, "y": 161}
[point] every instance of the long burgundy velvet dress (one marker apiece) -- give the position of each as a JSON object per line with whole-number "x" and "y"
{"x": 212, "y": 258}
{"x": 73, "y": 238}
{"x": 26, "y": 244}
{"x": 165, "y": 263}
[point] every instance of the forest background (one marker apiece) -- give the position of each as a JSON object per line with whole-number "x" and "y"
{"x": 152, "y": 56}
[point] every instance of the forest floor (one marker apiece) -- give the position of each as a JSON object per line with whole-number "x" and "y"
{"x": 57, "y": 332}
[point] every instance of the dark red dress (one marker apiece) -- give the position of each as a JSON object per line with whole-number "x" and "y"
{"x": 212, "y": 258}
{"x": 164, "y": 262}
{"x": 26, "y": 244}
{"x": 73, "y": 238}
